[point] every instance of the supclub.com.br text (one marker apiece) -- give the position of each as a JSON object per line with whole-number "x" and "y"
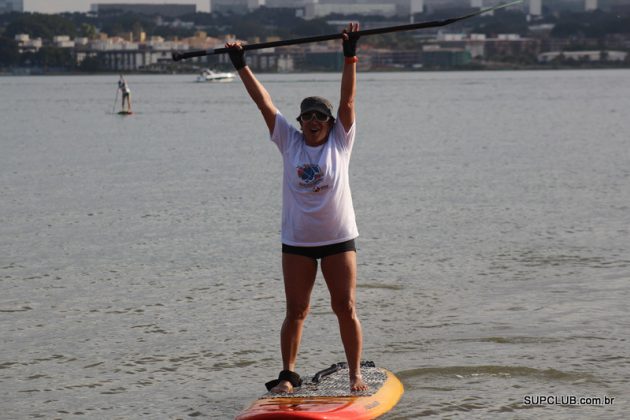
{"x": 566, "y": 400}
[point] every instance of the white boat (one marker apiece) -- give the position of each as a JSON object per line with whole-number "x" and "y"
{"x": 208, "y": 75}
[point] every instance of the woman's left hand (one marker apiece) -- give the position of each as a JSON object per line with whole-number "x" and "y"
{"x": 237, "y": 54}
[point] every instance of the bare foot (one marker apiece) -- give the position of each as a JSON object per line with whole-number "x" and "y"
{"x": 282, "y": 387}
{"x": 357, "y": 384}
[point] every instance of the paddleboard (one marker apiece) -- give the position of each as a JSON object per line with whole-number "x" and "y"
{"x": 125, "y": 113}
{"x": 327, "y": 396}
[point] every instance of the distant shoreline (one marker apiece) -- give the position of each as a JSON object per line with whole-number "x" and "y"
{"x": 35, "y": 72}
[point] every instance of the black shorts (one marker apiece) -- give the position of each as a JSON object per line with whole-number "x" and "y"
{"x": 320, "y": 251}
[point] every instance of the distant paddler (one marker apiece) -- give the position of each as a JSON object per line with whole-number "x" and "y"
{"x": 126, "y": 94}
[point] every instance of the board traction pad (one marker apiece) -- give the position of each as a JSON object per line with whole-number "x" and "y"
{"x": 336, "y": 385}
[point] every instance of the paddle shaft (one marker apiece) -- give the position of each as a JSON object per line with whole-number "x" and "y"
{"x": 115, "y": 100}
{"x": 177, "y": 56}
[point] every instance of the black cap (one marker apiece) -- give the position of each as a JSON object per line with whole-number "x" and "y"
{"x": 316, "y": 103}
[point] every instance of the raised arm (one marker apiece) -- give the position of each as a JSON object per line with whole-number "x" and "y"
{"x": 254, "y": 88}
{"x": 349, "y": 76}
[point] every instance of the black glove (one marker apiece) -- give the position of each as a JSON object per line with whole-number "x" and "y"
{"x": 350, "y": 46}
{"x": 237, "y": 56}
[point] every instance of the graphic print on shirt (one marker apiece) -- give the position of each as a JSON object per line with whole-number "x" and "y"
{"x": 311, "y": 176}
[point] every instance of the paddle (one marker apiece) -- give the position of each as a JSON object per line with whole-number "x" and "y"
{"x": 421, "y": 25}
{"x": 115, "y": 100}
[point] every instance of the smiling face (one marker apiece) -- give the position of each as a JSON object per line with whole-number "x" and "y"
{"x": 314, "y": 129}
{"x": 316, "y": 119}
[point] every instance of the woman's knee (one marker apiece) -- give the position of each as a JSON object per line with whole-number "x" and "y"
{"x": 297, "y": 312}
{"x": 344, "y": 308}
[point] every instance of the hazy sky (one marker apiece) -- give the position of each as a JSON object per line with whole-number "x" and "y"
{"x": 57, "y": 6}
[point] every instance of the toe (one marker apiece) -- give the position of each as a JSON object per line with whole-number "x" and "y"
{"x": 282, "y": 387}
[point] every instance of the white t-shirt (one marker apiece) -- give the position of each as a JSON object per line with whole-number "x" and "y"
{"x": 124, "y": 87}
{"x": 316, "y": 200}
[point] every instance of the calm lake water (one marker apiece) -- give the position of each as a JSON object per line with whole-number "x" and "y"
{"x": 140, "y": 260}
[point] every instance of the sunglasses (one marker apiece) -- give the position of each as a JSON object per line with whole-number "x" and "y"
{"x": 308, "y": 116}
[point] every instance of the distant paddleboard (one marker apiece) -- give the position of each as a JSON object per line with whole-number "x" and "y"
{"x": 125, "y": 113}
{"x": 328, "y": 396}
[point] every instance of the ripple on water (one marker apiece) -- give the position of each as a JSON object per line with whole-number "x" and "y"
{"x": 16, "y": 308}
{"x": 550, "y": 258}
{"x": 379, "y": 286}
{"x": 446, "y": 391}
{"x": 463, "y": 372}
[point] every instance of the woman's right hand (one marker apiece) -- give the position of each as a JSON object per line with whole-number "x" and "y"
{"x": 350, "y": 39}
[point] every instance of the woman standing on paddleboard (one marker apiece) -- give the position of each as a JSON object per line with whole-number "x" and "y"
{"x": 318, "y": 220}
{"x": 126, "y": 93}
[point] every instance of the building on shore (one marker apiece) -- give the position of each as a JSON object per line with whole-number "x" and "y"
{"x": 238, "y": 7}
{"x": 28, "y": 45}
{"x": 168, "y": 10}
{"x": 590, "y": 5}
{"x": 535, "y": 7}
{"x": 583, "y": 56}
{"x": 8, "y": 6}
{"x": 137, "y": 53}
{"x": 310, "y": 9}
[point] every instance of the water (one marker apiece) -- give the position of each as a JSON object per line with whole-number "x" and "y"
{"x": 140, "y": 261}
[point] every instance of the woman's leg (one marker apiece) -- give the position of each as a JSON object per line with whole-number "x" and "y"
{"x": 340, "y": 273}
{"x": 299, "y": 277}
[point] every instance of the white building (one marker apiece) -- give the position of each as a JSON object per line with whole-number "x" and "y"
{"x": 26, "y": 44}
{"x": 8, "y": 6}
{"x": 590, "y": 5}
{"x": 170, "y": 10}
{"x": 318, "y": 8}
{"x": 63, "y": 41}
{"x": 235, "y": 6}
{"x": 535, "y": 7}
{"x": 416, "y": 6}
{"x": 315, "y": 10}
{"x": 291, "y": 4}
{"x": 403, "y": 8}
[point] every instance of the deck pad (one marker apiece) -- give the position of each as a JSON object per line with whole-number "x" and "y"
{"x": 327, "y": 396}
{"x": 337, "y": 384}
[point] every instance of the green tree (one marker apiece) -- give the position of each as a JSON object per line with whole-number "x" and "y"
{"x": 311, "y": 28}
{"x": 87, "y": 30}
{"x": 92, "y": 64}
{"x": 48, "y": 57}
{"x": 119, "y": 24}
{"x": 9, "y": 52}
{"x": 506, "y": 22}
{"x": 39, "y": 25}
